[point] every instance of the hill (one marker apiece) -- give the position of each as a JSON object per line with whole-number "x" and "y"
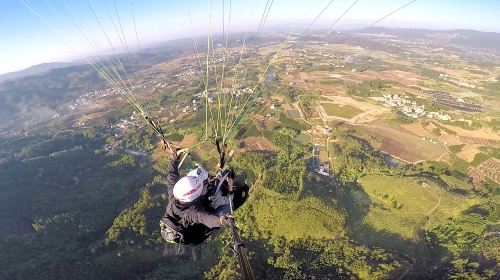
{"x": 36, "y": 70}
{"x": 463, "y": 38}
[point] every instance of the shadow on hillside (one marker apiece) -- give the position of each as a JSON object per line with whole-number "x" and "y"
{"x": 320, "y": 186}
{"x": 356, "y": 204}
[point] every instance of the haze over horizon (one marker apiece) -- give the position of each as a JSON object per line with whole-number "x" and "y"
{"x": 52, "y": 31}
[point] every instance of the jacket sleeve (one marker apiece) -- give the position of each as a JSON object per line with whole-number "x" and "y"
{"x": 198, "y": 216}
{"x": 172, "y": 176}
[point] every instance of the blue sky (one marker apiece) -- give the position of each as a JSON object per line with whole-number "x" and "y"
{"x": 66, "y": 29}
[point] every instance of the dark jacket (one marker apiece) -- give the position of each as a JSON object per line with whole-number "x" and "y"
{"x": 195, "y": 219}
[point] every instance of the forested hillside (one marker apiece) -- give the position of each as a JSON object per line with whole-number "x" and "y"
{"x": 73, "y": 210}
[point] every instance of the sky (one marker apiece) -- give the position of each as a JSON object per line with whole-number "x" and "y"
{"x": 41, "y": 31}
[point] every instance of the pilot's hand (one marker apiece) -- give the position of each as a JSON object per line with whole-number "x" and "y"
{"x": 177, "y": 153}
{"x": 226, "y": 220}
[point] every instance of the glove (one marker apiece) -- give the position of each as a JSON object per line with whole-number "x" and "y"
{"x": 226, "y": 220}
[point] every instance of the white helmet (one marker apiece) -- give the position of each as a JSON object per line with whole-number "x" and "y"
{"x": 199, "y": 172}
{"x": 190, "y": 187}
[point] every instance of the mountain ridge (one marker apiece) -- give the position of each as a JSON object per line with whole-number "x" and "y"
{"x": 473, "y": 38}
{"x": 35, "y": 70}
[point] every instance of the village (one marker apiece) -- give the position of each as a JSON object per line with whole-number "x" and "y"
{"x": 408, "y": 107}
{"x": 170, "y": 114}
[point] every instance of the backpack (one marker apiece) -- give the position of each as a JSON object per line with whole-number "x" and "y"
{"x": 170, "y": 230}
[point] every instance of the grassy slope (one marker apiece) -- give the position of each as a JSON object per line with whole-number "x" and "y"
{"x": 422, "y": 207}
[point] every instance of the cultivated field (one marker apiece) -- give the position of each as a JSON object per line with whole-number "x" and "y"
{"x": 367, "y": 112}
{"x": 403, "y": 144}
{"x": 405, "y": 78}
{"x": 258, "y": 144}
{"x": 491, "y": 168}
{"x": 343, "y": 111}
{"x": 468, "y": 152}
{"x": 481, "y": 135}
{"x": 417, "y": 129}
{"x": 418, "y": 196}
{"x": 188, "y": 141}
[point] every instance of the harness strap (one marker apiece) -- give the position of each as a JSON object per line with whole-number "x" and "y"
{"x": 222, "y": 153}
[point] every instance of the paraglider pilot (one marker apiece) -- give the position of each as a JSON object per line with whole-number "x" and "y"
{"x": 198, "y": 203}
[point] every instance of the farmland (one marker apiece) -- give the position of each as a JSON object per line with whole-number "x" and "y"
{"x": 405, "y": 146}
{"x": 491, "y": 168}
{"x": 259, "y": 144}
{"x": 343, "y": 111}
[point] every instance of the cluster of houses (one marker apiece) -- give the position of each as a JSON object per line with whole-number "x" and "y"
{"x": 160, "y": 85}
{"x": 303, "y": 56}
{"x": 198, "y": 101}
{"x": 125, "y": 124}
{"x": 409, "y": 107}
{"x": 188, "y": 73}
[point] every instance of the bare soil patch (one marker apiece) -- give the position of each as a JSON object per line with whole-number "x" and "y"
{"x": 188, "y": 141}
{"x": 263, "y": 123}
{"x": 449, "y": 139}
{"x": 258, "y": 144}
{"x": 426, "y": 132}
{"x": 158, "y": 152}
{"x": 468, "y": 153}
{"x": 205, "y": 150}
{"x": 344, "y": 111}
